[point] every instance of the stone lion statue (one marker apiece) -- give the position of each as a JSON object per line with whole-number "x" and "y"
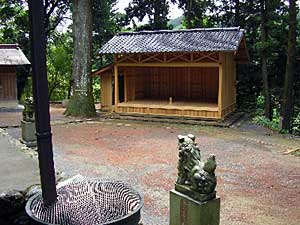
{"x": 195, "y": 177}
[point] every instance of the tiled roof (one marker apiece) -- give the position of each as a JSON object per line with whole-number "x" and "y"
{"x": 193, "y": 40}
{"x": 11, "y": 54}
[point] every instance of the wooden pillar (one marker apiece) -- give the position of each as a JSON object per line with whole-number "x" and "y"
{"x": 220, "y": 94}
{"x": 116, "y": 87}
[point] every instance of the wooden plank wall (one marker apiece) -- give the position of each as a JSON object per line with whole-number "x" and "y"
{"x": 8, "y": 83}
{"x": 228, "y": 84}
{"x": 129, "y": 83}
{"x": 205, "y": 84}
{"x": 106, "y": 91}
{"x": 164, "y": 82}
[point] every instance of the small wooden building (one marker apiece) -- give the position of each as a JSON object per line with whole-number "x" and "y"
{"x": 187, "y": 73}
{"x": 11, "y": 56}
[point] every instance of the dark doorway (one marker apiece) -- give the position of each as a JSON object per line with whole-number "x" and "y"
{"x": 121, "y": 88}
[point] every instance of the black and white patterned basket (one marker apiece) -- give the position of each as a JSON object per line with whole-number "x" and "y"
{"x": 86, "y": 201}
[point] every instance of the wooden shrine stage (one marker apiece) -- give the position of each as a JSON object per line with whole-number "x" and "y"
{"x": 176, "y": 108}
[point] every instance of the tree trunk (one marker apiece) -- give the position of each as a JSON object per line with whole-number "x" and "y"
{"x": 287, "y": 103}
{"x": 189, "y": 14}
{"x": 82, "y": 100}
{"x": 156, "y": 16}
{"x": 264, "y": 39}
{"x": 237, "y": 12}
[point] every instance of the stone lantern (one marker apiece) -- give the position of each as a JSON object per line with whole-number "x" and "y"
{"x": 28, "y": 124}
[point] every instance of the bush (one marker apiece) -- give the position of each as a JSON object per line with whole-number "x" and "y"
{"x": 296, "y": 125}
{"x": 262, "y": 120}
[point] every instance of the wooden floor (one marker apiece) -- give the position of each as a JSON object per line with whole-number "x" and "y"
{"x": 178, "y": 108}
{"x": 175, "y": 104}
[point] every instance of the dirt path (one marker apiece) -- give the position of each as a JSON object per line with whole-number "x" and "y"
{"x": 256, "y": 182}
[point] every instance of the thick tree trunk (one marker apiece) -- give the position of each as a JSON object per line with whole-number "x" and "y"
{"x": 237, "y": 12}
{"x": 287, "y": 103}
{"x": 82, "y": 101}
{"x": 264, "y": 38}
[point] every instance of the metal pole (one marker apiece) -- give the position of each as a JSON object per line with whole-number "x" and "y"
{"x": 41, "y": 99}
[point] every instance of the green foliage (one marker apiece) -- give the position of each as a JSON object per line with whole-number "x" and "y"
{"x": 55, "y": 12}
{"x": 59, "y": 66}
{"x": 262, "y": 120}
{"x": 27, "y": 93}
{"x": 96, "y": 88}
{"x": 296, "y": 153}
{"x": 106, "y": 23}
{"x": 14, "y": 28}
{"x": 296, "y": 124}
{"x": 196, "y": 13}
{"x": 248, "y": 87}
{"x": 14, "y": 23}
{"x": 156, "y": 11}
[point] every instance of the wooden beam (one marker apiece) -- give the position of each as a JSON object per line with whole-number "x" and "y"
{"x": 207, "y": 56}
{"x": 151, "y": 57}
{"x": 192, "y": 57}
{"x": 116, "y": 88}
{"x": 207, "y": 64}
{"x": 129, "y": 57}
{"x": 178, "y": 57}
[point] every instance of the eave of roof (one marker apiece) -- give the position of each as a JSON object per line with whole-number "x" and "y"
{"x": 104, "y": 69}
{"x": 12, "y": 55}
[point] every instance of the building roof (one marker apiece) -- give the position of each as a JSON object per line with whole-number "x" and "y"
{"x": 103, "y": 70}
{"x": 192, "y": 40}
{"x": 11, "y": 54}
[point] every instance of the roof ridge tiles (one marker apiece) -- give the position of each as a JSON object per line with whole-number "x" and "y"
{"x": 9, "y": 46}
{"x": 180, "y": 31}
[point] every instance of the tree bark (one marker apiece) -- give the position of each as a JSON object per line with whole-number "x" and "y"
{"x": 288, "y": 103}
{"x": 237, "y": 12}
{"x": 156, "y": 16}
{"x": 264, "y": 39}
{"x": 82, "y": 101}
{"x": 189, "y": 14}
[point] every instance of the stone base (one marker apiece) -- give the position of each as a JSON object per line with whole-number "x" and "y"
{"x": 187, "y": 211}
{"x": 28, "y": 133}
{"x": 194, "y": 195}
{"x": 31, "y": 144}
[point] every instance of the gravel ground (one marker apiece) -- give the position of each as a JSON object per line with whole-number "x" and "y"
{"x": 256, "y": 182}
{"x": 12, "y": 117}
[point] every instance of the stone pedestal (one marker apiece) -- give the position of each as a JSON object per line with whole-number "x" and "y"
{"x": 28, "y": 133}
{"x": 187, "y": 211}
